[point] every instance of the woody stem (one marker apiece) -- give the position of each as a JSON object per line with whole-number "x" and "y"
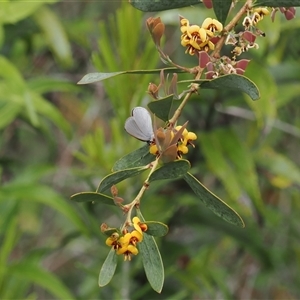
{"x": 137, "y": 199}
{"x": 194, "y": 88}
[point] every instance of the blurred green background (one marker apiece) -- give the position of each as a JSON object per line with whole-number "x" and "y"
{"x": 58, "y": 138}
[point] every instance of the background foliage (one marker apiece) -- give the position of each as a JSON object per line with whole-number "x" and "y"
{"x": 58, "y": 139}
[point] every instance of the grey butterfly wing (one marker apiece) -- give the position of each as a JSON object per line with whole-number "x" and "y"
{"x": 134, "y": 129}
{"x": 143, "y": 121}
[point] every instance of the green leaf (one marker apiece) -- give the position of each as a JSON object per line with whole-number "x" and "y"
{"x": 108, "y": 268}
{"x": 8, "y": 112}
{"x": 156, "y": 228}
{"x": 230, "y": 81}
{"x": 161, "y": 108}
{"x": 221, "y": 9}
{"x": 265, "y": 109}
{"x": 54, "y": 34}
{"x": 152, "y": 262}
{"x": 94, "y": 77}
{"x": 159, "y": 5}
{"x": 151, "y": 259}
{"x": 51, "y": 112}
{"x": 242, "y": 163}
{"x": 137, "y": 158}
{"x": 211, "y": 146}
{"x": 277, "y": 3}
{"x": 213, "y": 202}
{"x": 14, "y": 11}
{"x": 17, "y": 90}
{"x": 8, "y": 241}
{"x": 42, "y": 194}
{"x": 278, "y": 165}
{"x": 44, "y": 85}
{"x": 119, "y": 176}
{"x": 171, "y": 170}
{"x": 36, "y": 275}
{"x": 93, "y": 197}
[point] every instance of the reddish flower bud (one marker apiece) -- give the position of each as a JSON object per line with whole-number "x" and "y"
{"x": 207, "y": 3}
{"x": 153, "y": 90}
{"x": 249, "y": 36}
{"x": 204, "y": 59}
{"x": 156, "y": 28}
{"x": 290, "y": 13}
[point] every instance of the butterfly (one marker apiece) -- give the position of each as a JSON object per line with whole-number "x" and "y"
{"x": 139, "y": 125}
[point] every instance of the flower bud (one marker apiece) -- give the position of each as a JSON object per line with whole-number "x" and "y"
{"x": 156, "y": 28}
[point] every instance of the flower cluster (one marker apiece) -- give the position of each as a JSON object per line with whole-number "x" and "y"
{"x": 197, "y": 38}
{"x": 127, "y": 243}
{"x": 173, "y": 142}
{"x": 289, "y": 12}
{"x": 254, "y": 16}
{"x": 187, "y": 139}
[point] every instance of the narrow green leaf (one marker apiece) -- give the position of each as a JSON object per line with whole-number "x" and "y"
{"x": 118, "y": 176}
{"x": 137, "y": 158}
{"x": 42, "y": 194}
{"x": 18, "y": 90}
{"x": 161, "y": 108}
{"x": 8, "y": 112}
{"x": 51, "y": 112}
{"x": 157, "y": 229}
{"x": 94, "y": 77}
{"x": 151, "y": 259}
{"x": 31, "y": 108}
{"x": 213, "y": 202}
{"x": 221, "y": 9}
{"x": 108, "y": 268}
{"x": 8, "y": 242}
{"x": 278, "y": 164}
{"x": 171, "y": 170}
{"x": 44, "y": 85}
{"x": 265, "y": 109}
{"x": 36, "y": 275}
{"x": 242, "y": 163}
{"x": 277, "y": 3}
{"x": 159, "y": 5}
{"x": 230, "y": 81}
{"x": 211, "y": 146}
{"x": 93, "y": 197}
{"x": 14, "y": 11}
{"x": 55, "y": 34}
{"x": 152, "y": 262}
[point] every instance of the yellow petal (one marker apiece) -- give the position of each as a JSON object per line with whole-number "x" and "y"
{"x": 184, "y": 22}
{"x": 194, "y": 44}
{"x": 109, "y": 241}
{"x": 153, "y": 149}
{"x": 136, "y": 222}
{"x": 122, "y": 250}
{"x": 124, "y": 240}
{"x": 132, "y": 249}
{"x": 203, "y": 35}
{"x": 212, "y": 25}
{"x": 206, "y": 23}
{"x": 191, "y": 136}
{"x": 183, "y": 149}
{"x": 183, "y": 29}
{"x": 137, "y": 235}
{"x": 262, "y": 11}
